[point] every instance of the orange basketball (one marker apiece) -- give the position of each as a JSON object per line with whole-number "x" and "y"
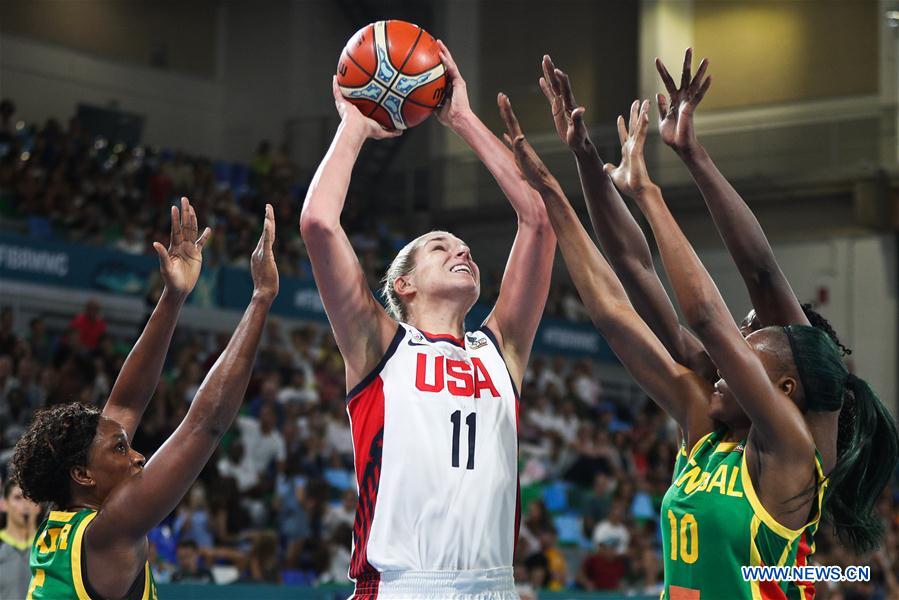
{"x": 391, "y": 71}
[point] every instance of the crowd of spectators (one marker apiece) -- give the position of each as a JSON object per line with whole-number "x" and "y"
{"x": 65, "y": 183}
{"x": 275, "y": 504}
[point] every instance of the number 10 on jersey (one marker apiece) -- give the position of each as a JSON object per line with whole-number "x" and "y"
{"x": 471, "y": 422}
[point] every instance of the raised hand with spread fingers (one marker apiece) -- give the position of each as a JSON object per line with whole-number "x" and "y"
{"x": 180, "y": 263}
{"x": 676, "y": 111}
{"x": 631, "y": 176}
{"x": 676, "y": 388}
{"x": 567, "y": 115}
{"x": 615, "y": 227}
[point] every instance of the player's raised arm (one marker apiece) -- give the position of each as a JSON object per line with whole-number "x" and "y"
{"x": 771, "y": 294}
{"x": 677, "y": 389}
{"x": 777, "y": 422}
{"x": 525, "y": 283}
{"x": 616, "y": 230}
{"x": 143, "y": 500}
{"x": 180, "y": 267}
{"x": 361, "y": 327}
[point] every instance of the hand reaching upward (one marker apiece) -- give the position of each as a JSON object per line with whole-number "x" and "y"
{"x": 676, "y": 111}
{"x": 180, "y": 264}
{"x": 567, "y": 115}
{"x": 529, "y": 164}
{"x": 262, "y": 262}
{"x": 631, "y": 176}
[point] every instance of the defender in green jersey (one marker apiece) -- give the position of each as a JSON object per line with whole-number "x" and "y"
{"x": 80, "y": 459}
{"x": 57, "y": 561}
{"x": 713, "y": 524}
{"x": 773, "y": 487}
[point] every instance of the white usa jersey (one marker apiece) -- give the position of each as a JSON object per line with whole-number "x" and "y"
{"x": 435, "y": 436}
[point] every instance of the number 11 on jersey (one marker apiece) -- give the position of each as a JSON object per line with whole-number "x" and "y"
{"x": 471, "y": 422}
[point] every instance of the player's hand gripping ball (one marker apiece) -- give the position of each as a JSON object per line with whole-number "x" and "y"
{"x": 391, "y": 71}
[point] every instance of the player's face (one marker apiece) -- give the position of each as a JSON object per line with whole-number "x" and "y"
{"x": 443, "y": 265}
{"x": 20, "y": 511}
{"x": 112, "y": 459}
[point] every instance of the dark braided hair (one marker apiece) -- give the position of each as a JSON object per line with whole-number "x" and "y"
{"x": 58, "y": 439}
{"x": 867, "y": 438}
{"x": 818, "y": 321}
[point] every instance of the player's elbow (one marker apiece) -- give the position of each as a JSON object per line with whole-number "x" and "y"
{"x": 313, "y": 226}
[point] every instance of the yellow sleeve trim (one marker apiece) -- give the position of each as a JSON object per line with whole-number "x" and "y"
{"x": 63, "y": 516}
{"x": 765, "y": 517}
{"x": 726, "y": 446}
{"x": 146, "y": 595}
{"x": 698, "y": 443}
{"x": 77, "y": 577}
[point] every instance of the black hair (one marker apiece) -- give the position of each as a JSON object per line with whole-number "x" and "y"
{"x": 867, "y": 438}
{"x": 8, "y": 485}
{"x": 818, "y": 321}
{"x": 58, "y": 439}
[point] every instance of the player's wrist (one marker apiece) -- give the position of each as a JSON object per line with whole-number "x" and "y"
{"x": 354, "y": 129}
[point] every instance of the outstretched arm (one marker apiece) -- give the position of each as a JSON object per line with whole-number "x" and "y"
{"x": 180, "y": 267}
{"x": 144, "y": 500}
{"x": 771, "y": 294}
{"x": 677, "y": 389}
{"x": 361, "y": 327}
{"x": 616, "y": 229}
{"x": 525, "y": 284}
{"x": 775, "y": 420}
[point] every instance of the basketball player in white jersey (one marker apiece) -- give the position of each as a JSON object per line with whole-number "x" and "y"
{"x": 433, "y": 408}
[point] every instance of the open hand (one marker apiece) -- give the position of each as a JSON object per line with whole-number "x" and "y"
{"x": 262, "y": 262}
{"x": 567, "y": 115}
{"x": 631, "y": 176}
{"x": 350, "y": 114}
{"x": 455, "y": 107}
{"x": 180, "y": 263}
{"x": 529, "y": 164}
{"x": 676, "y": 111}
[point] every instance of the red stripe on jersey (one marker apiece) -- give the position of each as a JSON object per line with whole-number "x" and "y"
{"x": 802, "y": 554}
{"x": 442, "y": 337}
{"x": 366, "y": 410}
{"x": 770, "y": 590}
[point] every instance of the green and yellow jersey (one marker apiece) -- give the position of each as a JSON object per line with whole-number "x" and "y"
{"x": 713, "y": 523}
{"x": 58, "y": 565}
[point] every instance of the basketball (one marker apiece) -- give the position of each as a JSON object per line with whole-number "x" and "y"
{"x": 391, "y": 71}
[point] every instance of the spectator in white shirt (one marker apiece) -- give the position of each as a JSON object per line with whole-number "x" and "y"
{"x": 263, "y": 442}
{"x": 612, "y": 531}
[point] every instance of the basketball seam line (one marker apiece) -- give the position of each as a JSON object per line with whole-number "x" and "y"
{"x": 422, "y": 104}
{"x": 411, "y": 50}
{"x": 361, "y": 68}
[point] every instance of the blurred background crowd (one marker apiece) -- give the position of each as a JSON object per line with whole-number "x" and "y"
{"x": 276, "y": 502}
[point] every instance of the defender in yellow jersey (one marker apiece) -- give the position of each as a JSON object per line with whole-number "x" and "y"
{"x": 769, "y": 381}
{"x": 57, "y": 560}
{"x": 80, "y": 459}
